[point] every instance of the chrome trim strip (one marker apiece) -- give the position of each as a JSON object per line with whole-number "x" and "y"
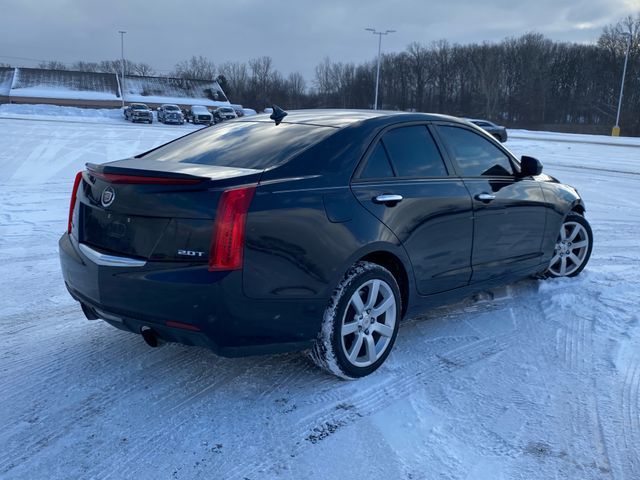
{"x": 109, "y": 260}
{"x": 107, "y": 316}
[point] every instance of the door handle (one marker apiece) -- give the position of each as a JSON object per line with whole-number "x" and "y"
{"x": 388, "y": 198}
{"x": 485, "y": 197}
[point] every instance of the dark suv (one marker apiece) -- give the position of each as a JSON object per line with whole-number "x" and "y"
{"x": 316, "y": 229}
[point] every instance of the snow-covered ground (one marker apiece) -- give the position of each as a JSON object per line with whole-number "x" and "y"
{"x": 537, "y": 380}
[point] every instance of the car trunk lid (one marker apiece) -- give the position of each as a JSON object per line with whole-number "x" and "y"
{"x": 153, "y": 210}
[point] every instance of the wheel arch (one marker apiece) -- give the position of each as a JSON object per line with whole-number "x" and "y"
{"x": 397, "y": 268}
{"x": 578, "y": 207}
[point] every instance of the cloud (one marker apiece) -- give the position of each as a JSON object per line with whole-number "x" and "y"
{"x": 296, "y": 34}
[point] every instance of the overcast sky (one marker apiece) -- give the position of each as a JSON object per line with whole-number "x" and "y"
{"x": 297, "y": 34}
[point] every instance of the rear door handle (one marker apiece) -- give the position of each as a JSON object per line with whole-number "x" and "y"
{"x": 388, "y": 198}
{"x": 485, "y": 197}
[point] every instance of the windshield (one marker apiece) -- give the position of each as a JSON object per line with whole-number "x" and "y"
{"x": 138, "y": 106}
{"x": 171, "y": 107}
{"x": 256, "y": 145}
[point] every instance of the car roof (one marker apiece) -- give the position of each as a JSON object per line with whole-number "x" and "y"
{"x": 342, "y": 118}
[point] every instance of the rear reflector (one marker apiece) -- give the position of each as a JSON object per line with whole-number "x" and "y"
{"x": 144, "y": 180}
{"x": 72, "y": 202}
{"x": 183, "y": 326}
{"x": 227, "y": 243}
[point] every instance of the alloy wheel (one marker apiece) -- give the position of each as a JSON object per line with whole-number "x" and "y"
{"x": 368, "y": 323}
{"x": 571, "y": 249}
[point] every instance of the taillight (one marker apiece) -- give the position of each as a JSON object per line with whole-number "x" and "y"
{"x": 72, "y": 202}
{"x": 227, "y": 243}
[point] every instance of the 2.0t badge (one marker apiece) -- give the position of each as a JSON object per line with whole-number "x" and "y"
{"x": 108, "y": 196}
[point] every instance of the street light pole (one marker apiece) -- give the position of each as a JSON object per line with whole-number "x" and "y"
{"x": 375, "y": 32}
{"x": 616, "y": 130}
{"x": 121, "y": 32}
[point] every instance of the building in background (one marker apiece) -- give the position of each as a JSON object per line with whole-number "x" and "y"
{"x": 103, "y": 90}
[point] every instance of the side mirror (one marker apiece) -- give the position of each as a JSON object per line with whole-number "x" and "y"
{"x": 530, "y": 166}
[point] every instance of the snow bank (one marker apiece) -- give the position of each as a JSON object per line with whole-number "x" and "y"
{"x": 56, "y": 112}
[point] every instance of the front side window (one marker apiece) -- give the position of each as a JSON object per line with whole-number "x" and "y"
{"x": 476, "y": 156}
{"x": 413, "y": 152}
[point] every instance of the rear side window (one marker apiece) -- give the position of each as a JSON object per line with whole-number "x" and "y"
{"x": 475, "y": 155}
{"x": 256, "y": 145}
{"x": 413, "y": 152}
{"x": 378, "y": 165}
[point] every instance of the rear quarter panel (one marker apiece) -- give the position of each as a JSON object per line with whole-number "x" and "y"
{"x": 300, "y": 240}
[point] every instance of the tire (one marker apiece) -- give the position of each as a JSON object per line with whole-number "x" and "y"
{"x": 352, "y": 343}
{"x": 573, "y": 247}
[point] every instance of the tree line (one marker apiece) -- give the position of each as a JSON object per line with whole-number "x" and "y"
{"x": 527, "y": 81}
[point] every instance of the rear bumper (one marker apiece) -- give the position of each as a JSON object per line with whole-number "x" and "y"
{"x": 210, "y": 306}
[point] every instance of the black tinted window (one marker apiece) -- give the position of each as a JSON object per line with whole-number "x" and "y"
{"x": 256, "y": 145}
{"x": 414, "y": 153}
{"x": 378, "y": 165}
{"x": 475, "y": 155}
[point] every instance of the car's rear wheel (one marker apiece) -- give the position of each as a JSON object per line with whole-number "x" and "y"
{"x": 573, "y": 247}
{"x": 360, "y": 323}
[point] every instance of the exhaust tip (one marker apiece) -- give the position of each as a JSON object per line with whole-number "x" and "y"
{"x": 150, "y": 337}
{"x": 89, "y": 312}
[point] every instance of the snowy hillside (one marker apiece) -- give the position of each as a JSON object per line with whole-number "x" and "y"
{"x": 537, "y": 380}
{"x": 173, "y": 90}
{"x": 40, "y": 83}
{"x": 6, "y": 78}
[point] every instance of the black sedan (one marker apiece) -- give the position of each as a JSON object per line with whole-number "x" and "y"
{"x": 316, "y": 229}
{"x": 498, "y": 131}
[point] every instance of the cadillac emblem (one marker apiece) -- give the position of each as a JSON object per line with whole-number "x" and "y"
{"x": 108, "y": 196}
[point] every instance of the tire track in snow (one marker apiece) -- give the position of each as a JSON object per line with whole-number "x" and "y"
{"x": 629, "y": 400}
{"x": 345, "y": 410}
{"x": 59, "y": 422}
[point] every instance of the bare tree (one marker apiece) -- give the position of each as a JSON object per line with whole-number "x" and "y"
{"x": 198, "y": 68}
{"x": 53, "y": 65}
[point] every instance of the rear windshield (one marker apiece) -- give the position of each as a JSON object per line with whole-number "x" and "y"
{"x": 256, "y": 145}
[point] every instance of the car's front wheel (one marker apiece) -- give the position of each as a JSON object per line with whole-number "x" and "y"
{"x": 360, "y": 323}
{"x": 573, "y": 247}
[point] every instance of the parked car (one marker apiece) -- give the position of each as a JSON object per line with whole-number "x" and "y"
{"x": 497, "y": 131}
{"x": 170, "y": 114}
{"x": 226, "y": 113}
{"x": 320, "y": 229}
{"x": 200, "y": 115}
{"x": 138, "y": 112}
{"x": 217, "y": 118}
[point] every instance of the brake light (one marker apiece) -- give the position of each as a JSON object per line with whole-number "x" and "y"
{"x": 144, "y": 180}
{"x": 227, "y": 243}
{"x": 72, "y": 202}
